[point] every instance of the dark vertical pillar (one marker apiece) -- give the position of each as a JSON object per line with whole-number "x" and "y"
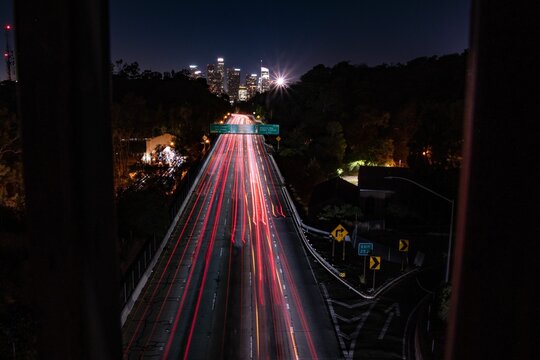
{"x": 495, "y": 304}
{"x": 64, "y": 89}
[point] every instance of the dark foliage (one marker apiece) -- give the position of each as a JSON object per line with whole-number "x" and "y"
{"x": 404, "y": 114}
{"x": 147, "y": 104}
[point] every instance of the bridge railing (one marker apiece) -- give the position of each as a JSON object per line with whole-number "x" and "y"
{"x": 139, "y": 271}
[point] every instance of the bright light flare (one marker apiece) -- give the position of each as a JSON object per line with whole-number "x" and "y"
{"x": 281, "y": 81}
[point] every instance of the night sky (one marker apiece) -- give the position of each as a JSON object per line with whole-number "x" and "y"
{"x": 289, "y": 36}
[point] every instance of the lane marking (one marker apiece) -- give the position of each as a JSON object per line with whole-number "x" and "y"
{"x": 214, "y": 301}
{"x": 404, "y": 340}
{"x": 386, "y": 326}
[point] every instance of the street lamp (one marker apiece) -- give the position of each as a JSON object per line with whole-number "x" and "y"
{"x": 451, "y": 201}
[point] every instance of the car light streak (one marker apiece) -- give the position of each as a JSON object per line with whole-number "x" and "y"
{"x": 204, "y": 186}
{"x": 220, "y": 179}
{"x": 240, "y": 173}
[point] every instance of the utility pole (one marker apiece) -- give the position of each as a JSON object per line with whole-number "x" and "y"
{"x": 8, "y": 55}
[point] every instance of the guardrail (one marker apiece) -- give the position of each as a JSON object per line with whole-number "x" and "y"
{"x": 300, "y": 227}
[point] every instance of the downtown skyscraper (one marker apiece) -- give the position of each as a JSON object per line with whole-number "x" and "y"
{"x": 251, "y": 85}
{"x": 221, "y": 74}
{"x": 215, "y": 74}
{"x": 233, "y": 83}
{"x": 264, "y": 80}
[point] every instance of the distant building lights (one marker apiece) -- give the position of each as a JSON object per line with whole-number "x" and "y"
{"x": 146, "y": 158}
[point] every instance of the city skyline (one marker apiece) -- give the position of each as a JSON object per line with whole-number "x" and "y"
{"x": 229, "y": 81}
{"x": 287, "y": 36}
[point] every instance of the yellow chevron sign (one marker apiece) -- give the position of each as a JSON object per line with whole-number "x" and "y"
{"x": 403, "y": 245}
{"x": 375, "y": 263}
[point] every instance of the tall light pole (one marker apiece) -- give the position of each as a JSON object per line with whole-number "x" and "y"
{"x": 451, "y": 201}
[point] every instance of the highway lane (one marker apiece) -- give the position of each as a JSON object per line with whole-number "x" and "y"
{"x": 234, "y": 281}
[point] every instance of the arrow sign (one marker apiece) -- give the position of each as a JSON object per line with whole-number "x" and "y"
{"x": 339, "y": 233}
{"x": 403, "y": 245}
{"x": 374, "y": 262}
{"x": 391, "y": 311}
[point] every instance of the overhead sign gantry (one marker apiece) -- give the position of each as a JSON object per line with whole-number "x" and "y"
{"x": 249, "y": 129}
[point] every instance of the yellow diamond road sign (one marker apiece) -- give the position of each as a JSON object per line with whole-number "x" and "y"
{"x": 339, "y": 233}
{"x": 403, "y": 245}
{"x": 374, "y": 262}
{"x": 278, "y": 138}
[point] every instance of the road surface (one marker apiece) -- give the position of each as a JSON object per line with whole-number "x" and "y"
{"x": 233, "y": 281}
{"x": 380, "y": 328}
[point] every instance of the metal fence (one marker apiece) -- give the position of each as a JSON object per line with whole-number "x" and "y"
{"x": 136, "y": 270}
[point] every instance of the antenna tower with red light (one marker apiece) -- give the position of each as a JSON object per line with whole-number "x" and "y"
{"x": 8, "y": 54}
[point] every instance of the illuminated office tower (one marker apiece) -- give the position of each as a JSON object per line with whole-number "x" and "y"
{"x": 221, "y": 74}
{"x": 215, "y": 75}
{"x": 251, "y": 85}
{"x": 264, "y": 80}
{"x": 242, "y": 93}
{"x": 212, "y": 79}
{"x": 233, "y": 83}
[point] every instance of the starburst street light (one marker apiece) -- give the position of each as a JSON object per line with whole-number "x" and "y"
{"x": 280, "y": 81}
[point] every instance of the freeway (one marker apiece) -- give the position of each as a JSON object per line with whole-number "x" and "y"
{"x": 234, "y": 281}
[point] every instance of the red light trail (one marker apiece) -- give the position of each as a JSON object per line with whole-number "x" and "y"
{"x": 256, "y": 312}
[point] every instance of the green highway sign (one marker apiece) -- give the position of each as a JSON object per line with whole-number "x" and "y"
{"x": 365, "y": 249}
{"x": 250, "y": 129}
{"x": 268, "y": 129}
{"x": 245, "y": 129}
{"x": 220, "y": 128}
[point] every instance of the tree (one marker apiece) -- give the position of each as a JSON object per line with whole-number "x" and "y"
{"x": 330, "y": 147}
{"x": 435, "y": 148}
{"x": 388, "y": 113}
{"x": 11, "y": 176}
{"x": 127, "y": 71}
{"x": 126, "y": 120}
{"x": 368, "y": 136}
{"x": 340, "y": 213}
